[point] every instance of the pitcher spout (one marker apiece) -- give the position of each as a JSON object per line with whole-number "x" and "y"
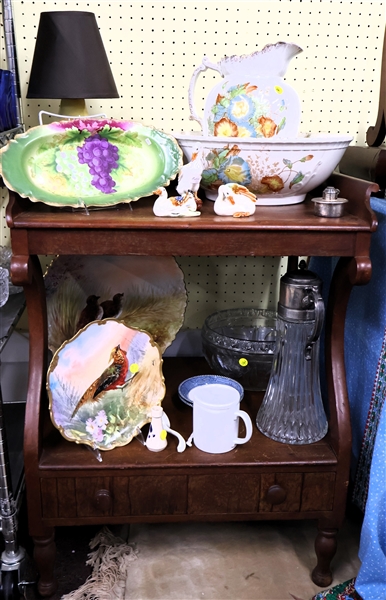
{"x": 272, "y": 60}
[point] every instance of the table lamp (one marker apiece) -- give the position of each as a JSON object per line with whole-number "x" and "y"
{"x": 70, "y": 62}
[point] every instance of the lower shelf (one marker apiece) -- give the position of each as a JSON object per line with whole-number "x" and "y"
{"x": 60, "y": 455}
{"x": 260, "y": 479}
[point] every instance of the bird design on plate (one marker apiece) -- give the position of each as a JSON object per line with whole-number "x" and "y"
{"x": 112, "y": 377}
{"x": 112, "y": 308}
{"x": 95, "y": 310}
{"x": 91, "y": 312}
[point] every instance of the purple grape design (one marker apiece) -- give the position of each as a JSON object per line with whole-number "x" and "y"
{"x": 101, "y": 158}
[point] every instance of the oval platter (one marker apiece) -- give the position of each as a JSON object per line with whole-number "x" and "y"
{"x": 89, "y": 162}
{"x": 102, "y": 384}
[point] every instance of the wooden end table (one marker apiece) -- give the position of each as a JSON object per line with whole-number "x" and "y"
{"x": 262, "y": 479}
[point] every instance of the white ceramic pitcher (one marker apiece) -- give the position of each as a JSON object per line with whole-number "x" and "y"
{"x": 252, "y": 100}
{"x": 216, "y": 415}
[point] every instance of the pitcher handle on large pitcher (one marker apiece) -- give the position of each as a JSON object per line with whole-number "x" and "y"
{"x": 319, "y": 318}
{"x": 206, "y": 64}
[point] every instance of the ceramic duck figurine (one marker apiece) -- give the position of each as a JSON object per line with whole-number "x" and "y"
{"x": 175, "y": 206}
{"x": 189, "y": 177}
{"x": 234, "y": 200}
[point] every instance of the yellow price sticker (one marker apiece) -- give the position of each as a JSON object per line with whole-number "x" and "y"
{"x": 243, "y": 362}
{"x": 134, "y": 368}
{"x": 163, "y": 434}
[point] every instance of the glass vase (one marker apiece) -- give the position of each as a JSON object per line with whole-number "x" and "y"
{"x": 292, "y": 410}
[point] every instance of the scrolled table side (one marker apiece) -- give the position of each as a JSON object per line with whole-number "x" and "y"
{"x": 26, "y": 271}
{"x": 348, "y": 272}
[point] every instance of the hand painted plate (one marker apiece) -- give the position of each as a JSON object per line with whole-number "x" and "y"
{"x": 89, "y": 162}
{"x": 102, "y": 384}
{"x": 142, "y": 291}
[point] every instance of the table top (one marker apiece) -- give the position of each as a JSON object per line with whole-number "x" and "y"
{"x": 139, "y": 214}
{"x": 53, "y": 230}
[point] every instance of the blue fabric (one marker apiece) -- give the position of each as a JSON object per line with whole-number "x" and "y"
{"x": 365, "y": 355}
{"x": 364, "y": 330}
{"x": 364, "y": 333}
{"x": 371, "y": 580}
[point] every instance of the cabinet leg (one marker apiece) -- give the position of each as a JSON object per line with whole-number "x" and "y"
{"x": 44, "y": 556}
{"x": 325, "y": 548}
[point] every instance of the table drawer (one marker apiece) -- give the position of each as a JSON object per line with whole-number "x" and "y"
{"x": 228, "y": 493}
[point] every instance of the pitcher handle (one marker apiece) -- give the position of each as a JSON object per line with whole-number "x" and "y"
{"x": 248, "y": 426}
{"x": 319, "y": 318}
{"x": 206, "y": 64}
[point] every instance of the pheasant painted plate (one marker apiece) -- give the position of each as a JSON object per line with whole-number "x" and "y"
{"x": 89, "y": 162}
{"x": 102, "y": 384}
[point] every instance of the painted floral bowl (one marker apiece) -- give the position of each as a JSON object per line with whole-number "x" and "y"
{"x": 278, "y": 171}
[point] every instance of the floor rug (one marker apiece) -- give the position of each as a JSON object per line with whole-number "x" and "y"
{"x": 213, "y": 561}
{"x": 343, "y": 591}
{"x": 110, "y": 558}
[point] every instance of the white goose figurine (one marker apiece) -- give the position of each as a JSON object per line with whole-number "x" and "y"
{"x": 189, "y": 176}
{"x": 175, "y": 206}
{"x": 234, "y": 200}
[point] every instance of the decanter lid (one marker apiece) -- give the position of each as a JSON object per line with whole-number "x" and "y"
{"x": 301, "y": 276}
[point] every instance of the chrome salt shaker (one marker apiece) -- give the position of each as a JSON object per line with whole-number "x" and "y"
{"x": 329, "y": 205}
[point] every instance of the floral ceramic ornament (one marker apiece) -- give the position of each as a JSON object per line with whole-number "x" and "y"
{"x": 175, "y": 206}
{"x": 234, "y": 200}
{"x": 189, "y": 176}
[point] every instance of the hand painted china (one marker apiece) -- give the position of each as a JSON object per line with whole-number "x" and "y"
{"x": 89, "y": 162}
{"x": 252, "y": 99}
{"x": 103, "y": 383}
{"x": 278, "y": 171}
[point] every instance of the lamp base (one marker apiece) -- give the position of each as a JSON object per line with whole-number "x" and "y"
{"x": 73, "y": 107}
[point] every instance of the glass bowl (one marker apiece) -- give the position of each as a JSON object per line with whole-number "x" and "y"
{"x": 240, "y": 343}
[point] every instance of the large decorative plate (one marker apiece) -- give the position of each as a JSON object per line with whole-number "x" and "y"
{"x": 102, "y": 384}
{"x": 149, "y": 294}
{"x": 89, "y": 162}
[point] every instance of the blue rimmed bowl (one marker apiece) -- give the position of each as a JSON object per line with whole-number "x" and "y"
{"x": 190, "y": 384}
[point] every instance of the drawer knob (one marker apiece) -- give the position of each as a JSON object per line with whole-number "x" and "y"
{"x": 276, "y": 494}
{"x": 103, "y": 499}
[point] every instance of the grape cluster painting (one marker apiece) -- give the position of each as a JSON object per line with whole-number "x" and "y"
{"x": 101, "y": 157}
{"x": 90, "y": 162}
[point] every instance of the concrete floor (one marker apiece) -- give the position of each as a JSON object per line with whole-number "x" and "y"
{"x": 212, "y": 561}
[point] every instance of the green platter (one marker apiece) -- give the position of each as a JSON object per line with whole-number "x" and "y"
{"x": 89, "y": 162}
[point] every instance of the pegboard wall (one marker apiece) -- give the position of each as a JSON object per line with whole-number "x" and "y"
{"x": 154, "y": 47}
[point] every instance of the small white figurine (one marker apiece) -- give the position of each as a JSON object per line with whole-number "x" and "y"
{"x": 189, "y": 176}
{"x": 175, "y": 206}
{"x": 159, "y": 427}
{"x": 234, "y": 200}
{"x": 156, "y": 438}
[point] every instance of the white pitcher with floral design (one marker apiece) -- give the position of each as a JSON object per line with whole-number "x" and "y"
{"x": 252, "y": 99}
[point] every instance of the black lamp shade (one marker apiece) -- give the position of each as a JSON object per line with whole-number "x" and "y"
{"x": 69, "y": 59}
